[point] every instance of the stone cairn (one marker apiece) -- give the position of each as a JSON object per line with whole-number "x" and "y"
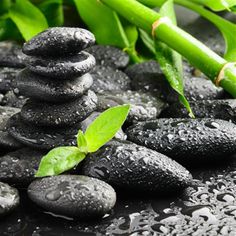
{"x": 57, "y": 82}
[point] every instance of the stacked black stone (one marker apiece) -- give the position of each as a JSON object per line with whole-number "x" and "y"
{"x": 57, "y": 81}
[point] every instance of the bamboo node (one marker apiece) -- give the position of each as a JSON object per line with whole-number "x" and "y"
{"x": 221, "y": 74}
{"x": 158, "y": 22}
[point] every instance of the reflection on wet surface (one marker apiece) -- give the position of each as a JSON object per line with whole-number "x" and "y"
{"x": 208, "y": 207}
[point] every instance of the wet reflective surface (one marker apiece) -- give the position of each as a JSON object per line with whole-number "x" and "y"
{"x": 206, "y": 208}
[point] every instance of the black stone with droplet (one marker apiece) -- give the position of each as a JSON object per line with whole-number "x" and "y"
{"x": 109, "y": 56}
{"x": 108, "y": 79}
{"x": 19, "y": 167}
{"x": 63, "y": 114}
{"x": 7, "y": 142}
{"x": 73, "y": 195}
{"x": 224, "y": 109}
{"x": 41, "y": 137}
{"x": 186, "y": 140}
{"x": 59, "y": 41}
{"x": 137, "y": 168}
{"x": 67, "y": 67}
{"x": 5, "y": 113}
{"x": 9, "y": 199}
{"x": 12, "y": 99}
{"x": 43, "y": 88}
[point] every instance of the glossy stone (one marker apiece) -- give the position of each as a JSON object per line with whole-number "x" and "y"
{"x": 137, "y": 168}
{"x": 12, "y": 99}
{"x": 70, "y": 113}
{"x": 19, "y": 167}
{"x": 109, "y": 56}
{"x": 46, "y": 89}
{"x": 7, "y": 142}
{"x": 187, "y": 140}
{"x": 9, "y": 199}
{"x": 73, "y": 195}
{"x": 59, "y": 41}
{"x": 109, "y": 79}
{"x": 67, "y": 67}
{"x": 5, "y": 114}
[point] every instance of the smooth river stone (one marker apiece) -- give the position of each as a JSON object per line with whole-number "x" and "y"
{"x": 108, "y": 79}
{"x": 9, "y": 199}
{"x": 144, "y": 106}
{"x": 64, "y": 114}
{"x": 109, "y": 56}
{"x": 59, "y": 41}
{"x": 11, "y": 55}
{"x": 41, "y": 137}
{"x": 136, "y": 168}
{"x": 7, "y": 142}
{"x": 43, "y": 88}
{"x": 67, "y": 67}
{"x": 224, "y": 109}
{"x": 73, "y": 195}
{"x": 187, "y": 140}
{"x": 12, "y": 99}
{"x": 19, "y": 167}
{"x": 5, "y": 114}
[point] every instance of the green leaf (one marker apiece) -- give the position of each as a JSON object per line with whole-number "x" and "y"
{"x": 148, "y": 41}
{"x": 28, "y": 18}
{"x": 8, "y": 30}
{"x": 170, "y": 61}
{"x": 59, "y": 160}
{"x": 53, "y": 10}
{"x": 217, "y": 5}
{"x": 105, "y": 126}
{"x": 4, "y": 6}
{"x": 82, "y": 142}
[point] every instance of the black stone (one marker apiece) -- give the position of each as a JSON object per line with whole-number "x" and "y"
{"x": 186, "y": 140}
{"x": 70, "y": 113}
{"x": 46, "y": 89}
{"x": 224, "y": 109}
{"x": 73, "y": 195}
{"x": 41, "y": 137}
{"x": 59, "y": 41}
{"x": 9, "y": 199}
{"x": 137, "y": 168}
{"x": 144, "y": 106}
{"x": 108, "y": 79}
{"x": 109, "y": 56}
{"x": 19, "y": 167}
{"x": 11, "y": 55}
{"x": 5, "y": 114}
{"x": 67, "y": 67}
{"x": 7, "y": 142}
{"x": 7, "y": 77}
{"x": 12, "y": 99}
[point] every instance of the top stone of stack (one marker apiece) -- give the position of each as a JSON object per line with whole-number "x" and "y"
{"x": 59, "y": 41}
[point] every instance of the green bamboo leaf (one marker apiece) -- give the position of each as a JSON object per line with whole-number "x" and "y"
{"x": 105, "y": 126}
{"x": 217, "y": 5}
{"x": 4, "y": 6}
{"x": 170, "y": 61}
{"x": 59, "y": 160}
{"x": 28, "y": 18}
{"x": 82, "y": 142}
{"x": 8, "y": 30}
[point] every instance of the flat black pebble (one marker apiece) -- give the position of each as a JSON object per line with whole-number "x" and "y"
{"x": 59, "y": 41}
{"x": 109, "y": 56}
{"x": 42, "y": 88}
{"x": 108, "y": 79}
{"x": 144, "y": 106}
{"x": 41, "y": 137}
{"x": 9, "y": 199}
{"x": 11, "y": 55}
{"x": 73, "y": 195}
{"x": 7, "y": 142}
{"x": 5, "y": 114}
{"x": 69, "y": 113}
{"x": 224, "y": 109}
{"x": 67, "y": 67}
{"x": 134, "y": 167}
{"x": 19, "y": 167}
{"x": 12, "y": 99}
{"x": 186, "y": 140}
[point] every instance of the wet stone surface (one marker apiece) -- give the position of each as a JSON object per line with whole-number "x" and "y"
{"x": 109, "y": 56}
{"x": 12, "y": 99}
{"x": 136, "y": 168}
{"x": 144, "y": 106}
{"x": 42, "y": 88}
{"x": 64, "y": 114}
{"x": 9, "y": 199}
{"x": 108, "y": 79}
{"x": 186, "y": 140}
{"x": 73, "y": 195}
{"x": 18, "y": 168}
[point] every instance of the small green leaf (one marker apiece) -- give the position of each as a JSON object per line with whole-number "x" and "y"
{"x": 28, "y": 18}
{"x": 8, "y": 30}
{"x": 82, "y": 142}
{"x": 4, "y": 6}
{"x": 105, "y": 126}
{"x": 59, "y": 160}
{"x": 148, "y": 41}
{"x": 217, "y": 5}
